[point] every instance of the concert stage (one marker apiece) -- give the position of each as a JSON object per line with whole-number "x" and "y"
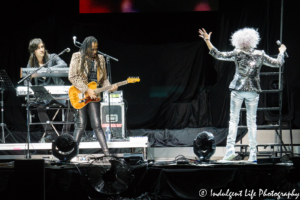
{"x": 154, "y": 176}
{"x": 165, "y": 180}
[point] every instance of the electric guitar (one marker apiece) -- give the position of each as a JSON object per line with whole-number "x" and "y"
{"x": 79, "y": 100}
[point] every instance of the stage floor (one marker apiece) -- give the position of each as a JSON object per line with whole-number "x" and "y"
{"x": 167, "y": 180}
{"x": 158, "y": 176}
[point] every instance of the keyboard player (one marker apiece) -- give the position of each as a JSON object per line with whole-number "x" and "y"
{"x": 38, "y": 57}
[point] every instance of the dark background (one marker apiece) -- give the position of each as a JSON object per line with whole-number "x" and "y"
{"x": 181, "y": 86}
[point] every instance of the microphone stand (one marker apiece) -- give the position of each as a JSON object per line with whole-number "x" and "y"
{"x": 28, "y": 156}
{"x": 108, "y": 69}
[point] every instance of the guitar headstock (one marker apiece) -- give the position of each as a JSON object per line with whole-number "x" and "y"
{"x": 133, "y": 79}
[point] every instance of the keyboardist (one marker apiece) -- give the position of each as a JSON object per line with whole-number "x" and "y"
{"x": 38, "y": 57}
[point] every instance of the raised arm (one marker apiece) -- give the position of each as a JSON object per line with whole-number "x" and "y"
{"x": 225, "y": 56}
{"x": 275, "y": 62}
{"x": 206, "y": 38}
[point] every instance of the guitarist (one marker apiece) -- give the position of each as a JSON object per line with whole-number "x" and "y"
{"x": 87, "y": 66}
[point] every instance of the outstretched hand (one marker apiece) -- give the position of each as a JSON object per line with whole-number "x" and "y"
{"x": 204, "y": 35}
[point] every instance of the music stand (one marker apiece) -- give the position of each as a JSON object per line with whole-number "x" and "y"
{"x": 6, "y": 84}
{"x": 41, "y": 93}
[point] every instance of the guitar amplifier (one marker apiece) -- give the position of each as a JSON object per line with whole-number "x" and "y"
{"x": 116, "y": 119}
{"x": 115, "y": 97}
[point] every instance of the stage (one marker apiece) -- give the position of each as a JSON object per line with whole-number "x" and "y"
{"x": 182, "y": 91}
{"x": 166, "y": 180}
{"x": 159, "y": 172}
{"x": 130, "y": 144}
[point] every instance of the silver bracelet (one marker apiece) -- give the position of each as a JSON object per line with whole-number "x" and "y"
{"x": 206, "y": 39}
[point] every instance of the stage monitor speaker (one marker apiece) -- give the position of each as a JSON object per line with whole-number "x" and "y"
{"x": 116, "y": 119}
{"x": 29, "y": 179}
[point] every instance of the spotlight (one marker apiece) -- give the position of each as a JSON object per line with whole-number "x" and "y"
{"x": 204, "y": 145}
{"x": 65, "y": 147}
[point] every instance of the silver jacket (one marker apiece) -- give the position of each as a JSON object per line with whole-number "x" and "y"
{"x": 247, "y": 66}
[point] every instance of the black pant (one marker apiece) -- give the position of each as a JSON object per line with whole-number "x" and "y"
{"x": 93, "y": 110}
{"x": 43, "y": 116}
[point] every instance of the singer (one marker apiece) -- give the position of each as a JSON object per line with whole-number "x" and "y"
{"x": 246, "y": 82}
{"x": 86, "y": 66}
{"x": 38, "y": 57}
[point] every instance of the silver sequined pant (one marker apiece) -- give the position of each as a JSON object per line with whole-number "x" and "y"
{"x": 251, "y": 101}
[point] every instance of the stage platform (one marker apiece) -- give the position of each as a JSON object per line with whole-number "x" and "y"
{"x": 167, "y": 180}
{"x": 136, "y": 142}
{"x": 156, "y": 175}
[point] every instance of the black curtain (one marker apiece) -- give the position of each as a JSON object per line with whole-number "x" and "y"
{"x": 181, "y": 86}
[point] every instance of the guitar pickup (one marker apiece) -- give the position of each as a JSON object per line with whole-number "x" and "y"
{"x": 81, "y": 96}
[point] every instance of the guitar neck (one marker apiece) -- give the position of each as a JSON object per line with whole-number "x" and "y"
{"x": 99, "y": 90}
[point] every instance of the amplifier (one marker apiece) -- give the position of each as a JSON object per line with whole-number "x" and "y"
{"x": 116, "y": 119}
{"x": 115, "y": 97}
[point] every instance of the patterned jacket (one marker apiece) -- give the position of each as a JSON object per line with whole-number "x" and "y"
{"x": 80, "y": 80}
{"x": 247, "y": 67}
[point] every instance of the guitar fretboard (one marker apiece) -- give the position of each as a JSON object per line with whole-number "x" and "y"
{"x": 99, "y": 90}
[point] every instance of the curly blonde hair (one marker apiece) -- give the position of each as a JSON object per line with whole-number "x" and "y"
{"x": 245, "y": 38}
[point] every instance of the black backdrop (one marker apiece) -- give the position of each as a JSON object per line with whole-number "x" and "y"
{"x": 181, "y": 86}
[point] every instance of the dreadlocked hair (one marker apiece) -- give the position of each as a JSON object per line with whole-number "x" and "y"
{"x": 87, "y": 43}
{"x": 33, "y": 45}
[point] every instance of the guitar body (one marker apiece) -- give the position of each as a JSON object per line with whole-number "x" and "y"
{"x": 79, "y": 100}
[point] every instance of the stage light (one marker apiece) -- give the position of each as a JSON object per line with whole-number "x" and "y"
{"x": 112, "y": 176}
{"x": 204, "y": 145}
{"x": 65, "y": 147}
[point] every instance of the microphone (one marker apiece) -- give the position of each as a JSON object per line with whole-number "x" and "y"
{"x": 74, "y": 40}
{"x": 65, "y": 50}
{"x": 279, "y": 44}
